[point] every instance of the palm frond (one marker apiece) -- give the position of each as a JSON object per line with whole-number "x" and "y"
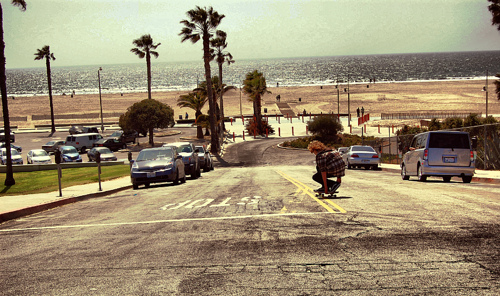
{"x": 20, "y": 3}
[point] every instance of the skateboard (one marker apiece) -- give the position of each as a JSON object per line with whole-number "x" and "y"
{"x": 331, "y": 193}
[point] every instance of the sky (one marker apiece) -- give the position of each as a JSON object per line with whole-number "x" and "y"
{"x": 92, "y": 32}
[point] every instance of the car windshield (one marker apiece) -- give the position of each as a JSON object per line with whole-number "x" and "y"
{"x": 200, "y": 148}
{"x": 39, "y": 153}
{"x": 449, "y": 140}
{"x": 152, "y": 154}
{"x": 362, "y": 149}
{"x": 116, "y": 134}
{"x": 50, "y": 143}
{"x": 184, "y": 148}
{"x": 12, "y": 152}
{"x": 103, "y": 150}
{"x": 67, "y": 150}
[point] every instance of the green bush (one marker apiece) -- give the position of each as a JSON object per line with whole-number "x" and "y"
{"x": 325, "y": 128}
{"x": 252, "y": 128}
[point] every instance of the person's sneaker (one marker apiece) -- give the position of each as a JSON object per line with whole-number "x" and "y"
{"x": 319, "y": 190}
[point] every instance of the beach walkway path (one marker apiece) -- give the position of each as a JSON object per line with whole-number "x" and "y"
{"x": 285, "y": 109}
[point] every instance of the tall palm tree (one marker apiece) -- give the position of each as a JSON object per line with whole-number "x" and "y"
{"x": 494, "y": 8}
{"x": 218, "y": 45}
{"x": 9, "y": 176}
{"x": 201, "y": 24}
{"x": 196, "y": 101}
{"x": 41, "y": 54}
{"x": 255, "y": 87}
{"x": 146, "y": 48}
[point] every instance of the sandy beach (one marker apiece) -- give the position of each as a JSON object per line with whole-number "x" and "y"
{"x": 447, "y": 96}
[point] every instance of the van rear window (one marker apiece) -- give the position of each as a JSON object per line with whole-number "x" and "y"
{"x": 446, "y": 140}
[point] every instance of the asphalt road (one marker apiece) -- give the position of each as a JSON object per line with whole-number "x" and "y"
{"x": 253, "y": 227}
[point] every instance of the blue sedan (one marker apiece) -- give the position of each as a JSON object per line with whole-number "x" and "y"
{"x": 155, "y": 165}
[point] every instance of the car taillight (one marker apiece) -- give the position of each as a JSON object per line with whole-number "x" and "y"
{"x": 354, "y": 155}
{"x": 471, "y": 156}
{"x": 375, "y": 156}
{"x": 426, "y": 154}
{"x": 77, "y": 143}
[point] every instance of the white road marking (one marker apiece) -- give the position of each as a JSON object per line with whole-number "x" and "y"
{"x": 164, "y": 221}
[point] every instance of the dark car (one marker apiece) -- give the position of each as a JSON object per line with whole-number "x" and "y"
{"x": 52, "y": 146}
{"x": 18, "y": 148}
{"x": 111, "y": 143}
{"x": 205, "y": 159}
{"x": 106, "y": 154}
{"x": 76, "y": 129}
{"x": 125, "y": 137}
{"x": 2, "y": 136}
{"x": 155, "y": 165}
{"x": 189, "y": 156}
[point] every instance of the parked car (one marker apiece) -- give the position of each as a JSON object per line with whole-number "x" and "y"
{"x": 52, "y": 146}
{"x": 38, "y": 156}
{"x": 189, "y": 156}
{"x": 76, "y": 129}
{"x": 343, "y": 150}
{"x": 2, "y": 136}
{"x": 155, "y": 165}
{"x": 69, "y": 154}
{"x": 125, "y": 137}
{"x": 14, "y": 155}
{"x": 18, "y": 148}
{"x": 204, "y": 158}
{"x": 83, "y": 141}
{"x": 361, "y": 156}
{"x": 441, "y": 154}
{"x": 111, "y": 143}
{"x": 106, "y": 154}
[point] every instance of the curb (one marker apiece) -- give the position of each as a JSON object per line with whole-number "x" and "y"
{"x": 474, "y": 179}
{"x": 47, "y": 206}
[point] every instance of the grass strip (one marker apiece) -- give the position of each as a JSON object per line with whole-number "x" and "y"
{"x": 46, "y": 181}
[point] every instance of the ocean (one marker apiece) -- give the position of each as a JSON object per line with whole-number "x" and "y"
{"x": 123, "y": 78}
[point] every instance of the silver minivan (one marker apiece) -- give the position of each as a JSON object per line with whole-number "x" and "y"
{"x": 443, "y": 154}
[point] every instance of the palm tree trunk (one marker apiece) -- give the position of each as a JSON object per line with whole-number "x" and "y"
{"x": 258, "y": 111}
{"x": 199, "y": 128}
{"x": 211, "y": 103}
{"x": 222, "y": 127}
{"x": 49, "y": 81}
{"x": 9, "y": 175}
{"x": 148, "y": 67}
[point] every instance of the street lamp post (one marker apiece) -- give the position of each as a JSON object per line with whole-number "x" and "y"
{"x": 100, "y": 98}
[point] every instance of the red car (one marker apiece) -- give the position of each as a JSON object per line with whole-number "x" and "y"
{"x": 111, "y": 143}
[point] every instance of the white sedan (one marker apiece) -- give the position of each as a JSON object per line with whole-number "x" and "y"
{"x": 38, "y": 156}
{"x": 361, "y": 156}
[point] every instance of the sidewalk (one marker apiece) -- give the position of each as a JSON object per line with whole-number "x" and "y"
{"x": 12, "y": 207}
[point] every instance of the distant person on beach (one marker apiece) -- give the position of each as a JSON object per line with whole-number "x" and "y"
{"x": 187, "y": 115}
{"x": 357, "y": 111}
{"x": 362, "y": 111}
{"x": 278, "y": 98}
{"x": 277, "y": 84}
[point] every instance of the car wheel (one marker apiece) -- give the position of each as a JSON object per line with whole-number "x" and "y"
{"x": 135, "y": 186}
{"x": 467, "y": 179}
{"x": 421, "y": 177}
{"x": 83, "y": 149}
{"x": 146, "y": 185}
{"x": 447, "y": 179}
{"x": 349, "y": 165}
{"x": 404, "y": 176}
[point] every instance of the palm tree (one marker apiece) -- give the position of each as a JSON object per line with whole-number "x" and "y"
{"x": 219, "y": 44}
{"x": 146, "y": 48}
{"x": 9, "y": 175}
{"x": 194, "y": 100}
{"x": 201, "y": 25}
{"x": 45, "y": 53}
{"x": 494, "y": 8}
{"x": 255, "y": 87}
